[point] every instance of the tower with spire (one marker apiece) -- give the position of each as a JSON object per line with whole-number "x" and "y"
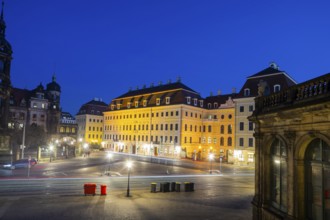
{"x": 5, "y": 82}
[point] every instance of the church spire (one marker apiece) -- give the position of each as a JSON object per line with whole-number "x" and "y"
{"x": 2, "y": 22}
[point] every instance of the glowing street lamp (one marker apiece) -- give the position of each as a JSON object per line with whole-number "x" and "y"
{"x": 129, "y": 166}
{"x": 51, "y": 148}
{"x": 211, "y": 157}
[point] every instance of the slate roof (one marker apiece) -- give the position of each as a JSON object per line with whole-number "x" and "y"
{"x": 271, "y": 76}
{"x": 93, "y": 107}
{"x": 177, "y": 92}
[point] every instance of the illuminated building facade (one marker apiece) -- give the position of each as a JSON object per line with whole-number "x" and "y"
{"x": 292, "y": 178}
{"x": 90, "y": 122}
{"x": 170, "y": 120}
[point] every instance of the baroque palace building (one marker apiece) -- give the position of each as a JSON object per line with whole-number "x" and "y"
{"x": 292, "y": 176}
{"x": 170, "y": 120}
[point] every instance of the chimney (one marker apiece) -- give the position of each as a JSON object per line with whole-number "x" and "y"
{"x": 233, "y": 90}
{"x": 178, "y": 79}
{"x": 151, "y": 85}
{"x": 219, "y": 92}
{"x": 160, "y": 83}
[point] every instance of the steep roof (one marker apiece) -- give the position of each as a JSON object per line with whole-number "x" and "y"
{"x": 168, "y": 94}
{"x": 155, "y": 89}
{"x": 93, "y": 107}
{"x": 271, "y": 76}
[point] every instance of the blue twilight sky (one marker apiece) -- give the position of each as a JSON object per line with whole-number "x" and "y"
{"x": 101, "y": 48}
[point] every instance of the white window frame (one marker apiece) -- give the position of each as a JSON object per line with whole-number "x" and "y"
{"x": 144, "y": 103}
{"x": 201, "y": 103}
{"x": 136, "y": 104}
{"x": 158, "y": 101}
{"x": 277, "y": 88}
{"x": 167, "y": 100}
{"x": 195, "y": 102}
{"x": 129, "y": 105}
{"x": 188, "y": 100}
{"x": 247, "y": 92}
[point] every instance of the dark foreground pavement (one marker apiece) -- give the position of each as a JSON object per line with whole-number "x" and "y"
{"x": 215, "y": 197}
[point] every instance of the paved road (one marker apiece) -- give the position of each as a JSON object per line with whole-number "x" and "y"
{"x": 55, "y": 191}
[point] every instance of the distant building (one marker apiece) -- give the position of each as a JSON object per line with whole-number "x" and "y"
{"x": 5, "y": 89}
{"x": 90, "y": 122}
{"x": 292, "y": 178}
{"x": 268, "y": 81}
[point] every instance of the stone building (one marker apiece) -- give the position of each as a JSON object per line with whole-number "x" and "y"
{"x": 292, "y": 176}
{"x": 271, "y": 80}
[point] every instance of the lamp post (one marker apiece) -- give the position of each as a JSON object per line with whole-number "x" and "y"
{"x": 211, "y": 156}
{"x": 23, "y": 140}
{"x": 51, "y": 147}
{"x": 220, "y": 163}
{"x": 109, "y": 155}
{"x": 129, "y": 165}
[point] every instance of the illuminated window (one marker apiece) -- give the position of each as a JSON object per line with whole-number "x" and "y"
{"x": 158, "y": 101}
{"x": 136, "y": 104}
{"x": 128, "y": 105}
{"x": 209, "y": 140}
{"x": 144, "y": 103}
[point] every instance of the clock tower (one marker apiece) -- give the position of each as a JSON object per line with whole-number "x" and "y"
{"x": 5, "y": 83}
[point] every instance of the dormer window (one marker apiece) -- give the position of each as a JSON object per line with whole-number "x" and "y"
{"x": 277, "y": 88}
{"x": 188, "y": 100}
{"x": 201, "y": 103}
{"x": 195, "y": 102}
{"x": 246, "y": 92}
{"x": 144, "y": 103}
{"x": 167, "y": 100}
{"x": 136, "y": 104}
{"x": 158, "y": 101}
{"x": 209, "y": 105}
{"x": 215, "y": 105}
{"x": 112, "y": 107}
{"x": 129, "y": 105}
{"x": 118, "y": 106}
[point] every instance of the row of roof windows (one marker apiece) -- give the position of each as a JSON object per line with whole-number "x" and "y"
{"x": 158, "y": 102}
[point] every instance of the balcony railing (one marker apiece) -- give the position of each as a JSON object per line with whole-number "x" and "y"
{"x": 303, "y": 93}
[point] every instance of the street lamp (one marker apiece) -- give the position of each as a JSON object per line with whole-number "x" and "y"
{"x": 51, "y": 148}
{"x": 129, "y": 166}
{"x": 211, "y": 157}
{"x": 109, "y": 155}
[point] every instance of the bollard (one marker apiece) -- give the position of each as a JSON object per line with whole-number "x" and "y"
{"x": 172, "y": 186}
{"x": 187, "y": 186}
{"x": 177, "y": 186}
{"x": 103, "y": 190}
{"x": 153, "y": 187}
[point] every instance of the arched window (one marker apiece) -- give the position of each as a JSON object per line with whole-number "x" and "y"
{"x": 278, "y": 190}
{"x": 318, "y": 180}
{"x": 230, "y": 141}
{"x": 222, "y": 141}
{"x": 222, "y": 129}
{"x": 62, "y": 130}
{"x": 230, "y": 130}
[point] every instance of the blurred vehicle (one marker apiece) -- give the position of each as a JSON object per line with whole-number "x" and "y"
{"x": 23, "y": 163}
{"x": 6, "y": 165}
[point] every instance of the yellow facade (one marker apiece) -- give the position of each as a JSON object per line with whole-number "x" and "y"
{"x": 170, "y": 131}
